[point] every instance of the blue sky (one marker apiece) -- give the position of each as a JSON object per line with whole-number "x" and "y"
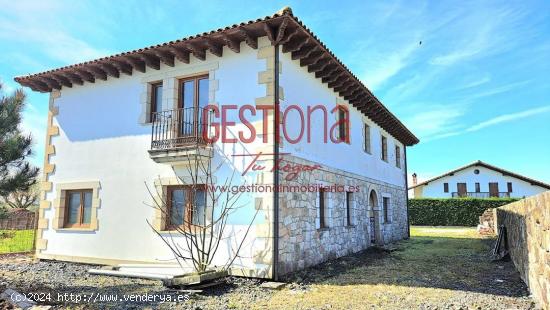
{"x": 473, "y": 89}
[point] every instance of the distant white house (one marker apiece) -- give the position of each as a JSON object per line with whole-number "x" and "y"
{"x": 478, "y": 180}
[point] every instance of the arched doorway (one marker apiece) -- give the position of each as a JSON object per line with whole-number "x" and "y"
{"x": 374, "y": 233}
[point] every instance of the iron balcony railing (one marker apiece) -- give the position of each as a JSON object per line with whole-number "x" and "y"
{"x": 177, "y": 128}
{"x": 481, "y": 194}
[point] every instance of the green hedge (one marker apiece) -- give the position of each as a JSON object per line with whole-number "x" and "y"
{"x": 451, "y": 211}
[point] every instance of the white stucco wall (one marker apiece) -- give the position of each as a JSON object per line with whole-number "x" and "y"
{"x": 520, "y": 188}
{"x": 303, "y": 89}
{"x": 101, "y": 139}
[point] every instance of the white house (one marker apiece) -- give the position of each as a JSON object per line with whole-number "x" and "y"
{"x": 477, "y": 180}
{"x": 120, "y": 122}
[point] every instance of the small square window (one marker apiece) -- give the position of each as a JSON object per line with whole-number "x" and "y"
{"x": 78, "y": 208}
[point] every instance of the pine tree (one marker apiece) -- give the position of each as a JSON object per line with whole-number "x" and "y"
{"x": 16, "y": 174}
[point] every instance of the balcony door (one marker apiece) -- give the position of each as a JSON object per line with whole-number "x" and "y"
{"x": 193, "y": 100}
{"x": 493, "y": 189}
{"x": 461, "y": 189}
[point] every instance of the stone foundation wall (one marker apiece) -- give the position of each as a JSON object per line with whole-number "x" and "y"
{"x": 302, "y": 243}
{"x": 527, "y": 225}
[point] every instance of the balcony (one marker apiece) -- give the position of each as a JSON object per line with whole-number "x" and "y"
{"x": 481, "y": 195}
{"x": 178, "y": 134}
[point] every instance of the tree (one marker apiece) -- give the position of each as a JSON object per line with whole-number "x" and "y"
{"x": 16, "y": 174}
{"x": 22, "y": 199}
{"x": 203, "y": 222}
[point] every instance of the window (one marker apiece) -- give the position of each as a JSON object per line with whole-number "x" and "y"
{"x": 193, "y": 100}
{"x": 366, "y": 138}
{"x": 78, "y": 208}
{"x": 509, "y": 184}
{"x": 397, "y": 156}
{"x": 186, "y": 206}
{"x": 156, "y": 100}
{"x": 478, "y": 189}
{"x": 384, "y": 149}
{"x": 349, "y": 199}
{"x": 343, "y": 124}
{"x": 386, "y": 206}
{"x": 322, "y": 206}
{"x": 446, "y": 187}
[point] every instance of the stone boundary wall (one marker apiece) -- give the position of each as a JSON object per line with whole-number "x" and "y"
{"x": 527, "y": 225}
{"x": 303, "y": 244}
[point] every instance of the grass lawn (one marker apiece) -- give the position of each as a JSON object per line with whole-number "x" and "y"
{"x": 439, "y": 267}
{"x": 15, "y": 241}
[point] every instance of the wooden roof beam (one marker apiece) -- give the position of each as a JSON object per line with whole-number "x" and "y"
{"x": 62, "y": 80}
{"x": 74, "y": 78}
{"x": 231, "y": 43}
{"x": 304, "y": 52}
{"x": 180, "y": 53}
{"x": 150, "y": 61}
{"x": 295, "y": 45}
{"x": 166, "y": 57}
{"x": 341, "y": 80}
{"x": 289, "y": 36}
{"x": 330, "y": 69}
{"x": 313, "y": 58}
{"x": 270, "y": 32}
{"x": 37, "y": 85}
{"x": 353, "y": 94}
{"x": 214, "y": 47}
{"x": 138, "y": 65}
{"x": 346, "y": 90}
{"x": 85, "y": 75}
{"x": 123, "y": 67}
{"x": 250, "y": 39}
{"x": 98, "y": 73}
{"x": 109, "y": 69}
{"x": 198, "y": 52}
{"x": 333, "y": 77}
{"x": 50, "y": 82}
{"x": 280, "y": 34}
{"x": 320, "y": 65}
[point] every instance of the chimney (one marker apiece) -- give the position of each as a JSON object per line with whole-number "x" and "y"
{"x": 414, "y": 179}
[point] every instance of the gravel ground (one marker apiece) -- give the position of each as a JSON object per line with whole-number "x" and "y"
{"x": 425, "y": 272}
{"x": 61, "y": 279}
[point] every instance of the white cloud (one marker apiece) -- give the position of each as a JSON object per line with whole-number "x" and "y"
{"x": 38, "y": 27}
{"x": 508, "y": 118}
{"x": 491, "y": 122}
{"x": 436, "y": 119}
{"x": 486, "y": 34}
{"x": 390, "y": 64}
{"x": 498, "y": 90}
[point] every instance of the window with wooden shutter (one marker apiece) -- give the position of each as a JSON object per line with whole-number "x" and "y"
{"x": 349, "y": 199}
{"x": 366, "y": 138}
{"x": 397, "y": 156}
{"x": 445, "y": 187}
{"x": 384, "y": 147}
{"x": 386, "y": 206}
{"x": 322, "y": 210}
{"x": 156, "y": 100}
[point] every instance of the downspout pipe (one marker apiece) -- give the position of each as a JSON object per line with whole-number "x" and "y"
{"x": 407, "y": 191}
{"x": 275, "y": 261}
